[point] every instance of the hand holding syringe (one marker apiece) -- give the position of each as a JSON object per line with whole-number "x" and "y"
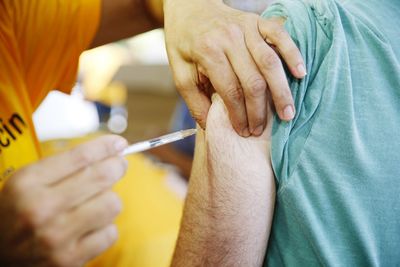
{"x": 162, "y": 140}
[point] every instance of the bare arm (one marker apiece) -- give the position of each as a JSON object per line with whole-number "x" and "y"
{"x": 228, "y": 212}
{"x": 125, "y": 18}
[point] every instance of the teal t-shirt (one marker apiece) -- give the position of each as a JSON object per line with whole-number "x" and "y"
{"x": 337, "y": 164}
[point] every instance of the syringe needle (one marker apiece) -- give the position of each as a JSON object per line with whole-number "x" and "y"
{"x": 156, "y": 142}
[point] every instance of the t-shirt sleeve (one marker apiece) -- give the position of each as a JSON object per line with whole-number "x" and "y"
{"x": 308, "y": 24}
{"x": 51, "y": 35}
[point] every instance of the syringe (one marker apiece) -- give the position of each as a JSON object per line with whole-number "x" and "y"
{"x": 162, "y": 140}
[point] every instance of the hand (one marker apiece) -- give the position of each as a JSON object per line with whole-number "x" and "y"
{"x": 212, "y": 46}
{"x": 60, "y": 211}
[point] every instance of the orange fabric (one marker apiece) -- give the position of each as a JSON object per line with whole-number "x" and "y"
{"x": 40, "y": 45}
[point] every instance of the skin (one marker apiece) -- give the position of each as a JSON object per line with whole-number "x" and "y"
{"x": 60, "y": 210}
{"x": 225, "y": 50}
{"x": 229, "y": 208}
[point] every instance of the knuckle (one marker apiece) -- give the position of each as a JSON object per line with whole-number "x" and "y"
{"x": 183, "y": 83}
{"x": 209, "y": 50}
{"x": 109, "y": 144}
{"x": 233, "y": 32}
{"x": 81, "y": 157}
{"x": 234, "y": 94}
{"x": 280, "y": 32}
{"x": 256, "y": 86}
{"x": 34, "y": 214}
{"x": 270, "y": 60}
{"x": 207, "y": 44}
{"x": 102, "y": 176}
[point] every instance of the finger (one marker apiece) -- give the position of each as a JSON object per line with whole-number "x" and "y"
{"x": 275, "y": 33}
{"x": 227, "y": 85}
{"x": 54, "y": 169}
{"x": 271, "y": 67}
{"x": 252, "y": 81}
{"x": 97, "y": 242}
{"x": 83, "y": 185}
{"x": 70, "y": 227}
{"x": 270, "y": 115}
{"x": 204, "y": 82}
{"x": 186, "y": 79}
{"x": 93, "y": 215}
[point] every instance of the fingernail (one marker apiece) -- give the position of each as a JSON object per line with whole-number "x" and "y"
{"x": 120, "y": 145}
{"x": 288, "y": 112}
{"x": 301, "y": 70}
{"x": 246, "y": 132}
{"x": 258, "y": 131}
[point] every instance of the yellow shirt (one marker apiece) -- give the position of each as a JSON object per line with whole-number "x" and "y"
{"x": 40, "y": 44}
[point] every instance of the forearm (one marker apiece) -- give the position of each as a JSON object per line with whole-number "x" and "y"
{"x": 229, "y": 208}
{"x": 125, "y": 18}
